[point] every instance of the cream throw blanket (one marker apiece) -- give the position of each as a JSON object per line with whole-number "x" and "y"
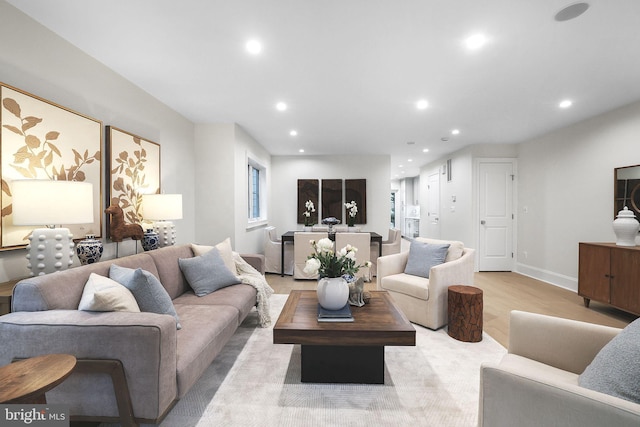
{"x": 250, "y": 276}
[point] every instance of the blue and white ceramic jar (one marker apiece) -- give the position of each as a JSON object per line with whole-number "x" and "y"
{"x": 150, "y": 240}
{"x": 89, "y": 250}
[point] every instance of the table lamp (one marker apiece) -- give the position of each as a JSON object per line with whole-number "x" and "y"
{"x": 51, "y": 203}
{"x": 161, "y": 209}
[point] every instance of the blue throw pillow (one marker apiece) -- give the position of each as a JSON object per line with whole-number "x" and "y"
{"x": 616, "y": 370}
{"x": 423, "y": 256}
{"x": 207, "y": 273}
{"x": 149, "y": 293}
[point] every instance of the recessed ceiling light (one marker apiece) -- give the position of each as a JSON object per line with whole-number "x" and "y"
{"x": 301, "y": 150}
{"x": 422, "y": 104}
{"x": 293, "y": 132}
{"x": 425, "y": 150}
{"x": 571, "y": 12}
{"x": 253, "y": 46}
{"x": 455, "y": 132}
{"x": 475, "y": 41}
{"x": 281, "y": 106}
{"x": 409, "y": 160}
{"x": 565, "y": 104}
{"x": 400, "y": 166}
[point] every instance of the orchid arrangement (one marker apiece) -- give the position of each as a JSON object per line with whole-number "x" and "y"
{"x": 327, "y": 263}
{"x": 352, "y": 210}
{"x": 307, "y": 213}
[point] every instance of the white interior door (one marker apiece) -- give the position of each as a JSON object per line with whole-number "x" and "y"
{"x": 433, "y": 206}
{"x": 495, "y": 200}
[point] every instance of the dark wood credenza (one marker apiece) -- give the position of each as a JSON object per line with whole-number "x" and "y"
{"x": 610, "y": 274}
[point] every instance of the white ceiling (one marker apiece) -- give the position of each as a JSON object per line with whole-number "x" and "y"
{"x": 351, "y": 71}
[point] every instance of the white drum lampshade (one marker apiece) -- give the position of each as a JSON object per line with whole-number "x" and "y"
{"x": 162, "y": 208}
{"x": 50, "y": 204}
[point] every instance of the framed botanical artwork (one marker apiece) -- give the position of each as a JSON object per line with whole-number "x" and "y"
{"x": 134, "y": 170}
{"x": 43, "y": 140}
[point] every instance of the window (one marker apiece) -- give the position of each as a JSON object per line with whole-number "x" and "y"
{"x": 256, "y": 192}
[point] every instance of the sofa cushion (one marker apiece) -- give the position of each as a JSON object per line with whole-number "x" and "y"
{"x": 225, "y": 249}
{"x": 423, "y": 256}
{"x": 207, "y": 273}
{"x": 147, "y": 290}
{"x": 104, "y": 294}
{"x": 242, "y": 297}
{"x": 169, "y": 274}
{"x": 455, "y": 251}
{"x": 615, "y": 369}
{"x": 408, "y": 284}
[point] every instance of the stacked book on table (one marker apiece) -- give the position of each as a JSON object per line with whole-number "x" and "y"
{"x": 341, "y": 315}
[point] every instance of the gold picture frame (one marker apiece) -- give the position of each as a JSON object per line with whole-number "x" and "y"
{"x": 134, "y": 170}
{"x": 43, "y": 140}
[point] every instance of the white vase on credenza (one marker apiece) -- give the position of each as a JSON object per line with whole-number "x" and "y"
{"x": 626, "y": 228}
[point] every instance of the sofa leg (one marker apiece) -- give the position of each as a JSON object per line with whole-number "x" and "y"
{"x": 115, "y": 369}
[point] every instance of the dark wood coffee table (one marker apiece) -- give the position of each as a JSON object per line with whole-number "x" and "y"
{"x": 26, "y": 381}
{"x": 343, "y": 352}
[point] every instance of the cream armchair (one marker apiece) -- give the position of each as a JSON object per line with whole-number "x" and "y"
{"x": 536, "y": 383}
{"x": 424, "y": 301}
{"x": 301, "y": 251}
{"x": 390, "y": 246}
{"x": 273, "y": 253}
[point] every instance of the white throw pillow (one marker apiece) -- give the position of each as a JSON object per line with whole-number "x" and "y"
{"x": 226, "y": 252}
{"x": 104, "y": 294}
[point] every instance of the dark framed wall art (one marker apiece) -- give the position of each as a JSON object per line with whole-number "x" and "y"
{"x": 42, "y": 140}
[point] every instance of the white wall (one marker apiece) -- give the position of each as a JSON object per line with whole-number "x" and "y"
{"x": 39, "y": 62}
{"x": 288, "y": 169}
{"x": 566, "y": 185}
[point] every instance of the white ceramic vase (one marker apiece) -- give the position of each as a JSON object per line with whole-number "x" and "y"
{"x": 626, "y": 228}
{"x": 333, "y": 293}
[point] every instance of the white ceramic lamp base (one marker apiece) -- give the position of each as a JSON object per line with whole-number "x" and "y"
{"x": 166, "y": 233}
{"x": 50, "y": 250}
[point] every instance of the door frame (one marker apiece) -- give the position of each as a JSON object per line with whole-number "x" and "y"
{"x": 514, "y": 202}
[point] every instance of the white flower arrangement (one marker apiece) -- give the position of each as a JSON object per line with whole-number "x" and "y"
{"x": 327, "y": 263}
{"x": 352, "y": 210}
{"x": 309, "y": 208}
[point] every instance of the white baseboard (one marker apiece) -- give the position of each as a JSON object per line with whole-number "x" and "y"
{"x": 560, "y": 280}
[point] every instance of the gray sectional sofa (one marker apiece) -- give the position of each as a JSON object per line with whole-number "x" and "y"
{"x": 133, "y": 366}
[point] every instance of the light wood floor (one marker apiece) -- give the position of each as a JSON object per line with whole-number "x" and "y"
{"x": 503, "y": 292}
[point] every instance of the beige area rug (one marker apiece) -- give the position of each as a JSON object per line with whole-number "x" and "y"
{"x": 254, "y": 382}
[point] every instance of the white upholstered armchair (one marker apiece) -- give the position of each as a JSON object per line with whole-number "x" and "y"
{"x": 422, "y": 300}
{"x": 536, "y": 382}
{"x": 273, "y": 253}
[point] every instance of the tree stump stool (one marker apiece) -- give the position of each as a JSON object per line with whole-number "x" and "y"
{"x": 465, "y": 313}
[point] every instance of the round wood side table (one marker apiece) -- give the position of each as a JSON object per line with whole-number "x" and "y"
{"x": 26, "y": 381}
{"x": 465, "y": 313}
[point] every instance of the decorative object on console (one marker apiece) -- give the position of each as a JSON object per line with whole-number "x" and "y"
{"x": 331, "y": 221}
{"x": 309, "y": 209}
{"x": 163, "y": 208}
{"x": 352, "y": 211}
{"x": 119, "y": 229}
{"x": 89, "y": 250}
{"x": 626, "y": 228}
{"x": 50, "y": 203}
{"x": 151, "y": 240}
{"x": 332, "y": 266}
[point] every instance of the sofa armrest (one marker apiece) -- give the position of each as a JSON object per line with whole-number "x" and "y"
{"x": 256, "y": 261}
{"x": 513, "y": 397}
{"x": 391, "y": 264}
{"x": 145, "y": 343}
{"x": 566, "y": 344}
